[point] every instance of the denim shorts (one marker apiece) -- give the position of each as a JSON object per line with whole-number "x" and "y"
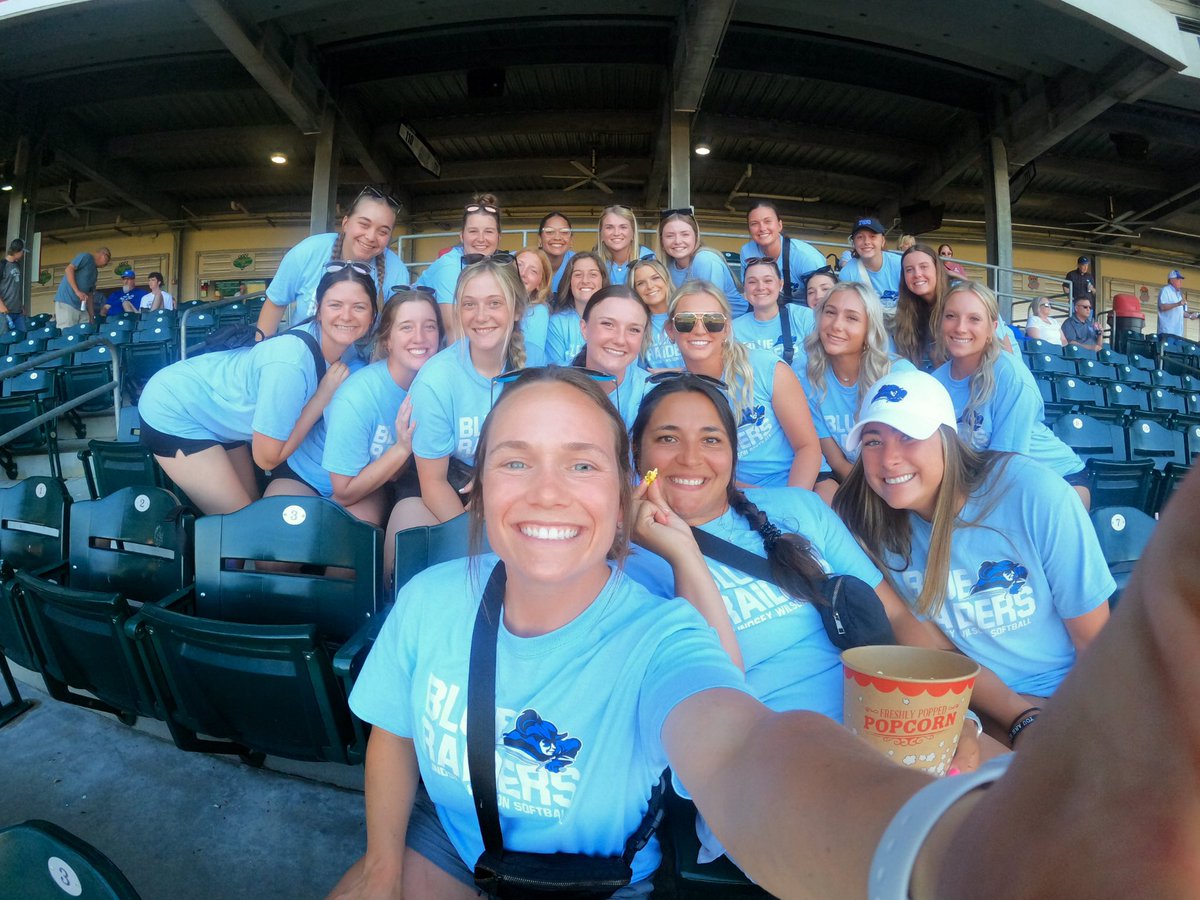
{"x": 427, "y": 837}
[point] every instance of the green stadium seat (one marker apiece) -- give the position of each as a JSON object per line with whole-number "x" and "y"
{"x": 125, "y": 550}
{"x": 40, "y": 861}
{"x": 1150, "y": 440}
{"x": 1120, "y": 483}
{"x": 1169, "y": 479}
{"x": 1123, "y": 532}
{"x": 1089, "y": 438}
{"x": 1093, "y": 370}
{"x": 1127, "y": 397}
{"x": 109, "y": 466}
{"x": 1068, "y": 389}
{"x": 1074, "y": 351}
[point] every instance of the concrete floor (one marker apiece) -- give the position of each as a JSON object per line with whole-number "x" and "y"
{"x": 179, "y": 825}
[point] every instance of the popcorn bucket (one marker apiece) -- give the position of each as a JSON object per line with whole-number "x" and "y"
{"x": 908, "y": 702}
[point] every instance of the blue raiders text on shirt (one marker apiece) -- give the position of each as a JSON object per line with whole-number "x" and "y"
{"x": 994, "y": 599}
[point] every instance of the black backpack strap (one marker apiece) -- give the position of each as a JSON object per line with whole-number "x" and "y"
{"x": 785, "y": 325}
{"x": 481, "y": 711}
{"x": 314, "y": 347}
{"x": 785, "y": 296}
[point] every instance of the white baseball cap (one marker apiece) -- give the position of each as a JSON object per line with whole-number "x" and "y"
{"x": 912, "y": 402}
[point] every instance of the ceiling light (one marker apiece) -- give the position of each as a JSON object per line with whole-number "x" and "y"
{"x": 278, "y": 157}
{"x": 7, "y": 177}
{"x": 703, "y": 149}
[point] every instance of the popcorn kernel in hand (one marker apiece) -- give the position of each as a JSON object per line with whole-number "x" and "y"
{"x": 650, "y": 476}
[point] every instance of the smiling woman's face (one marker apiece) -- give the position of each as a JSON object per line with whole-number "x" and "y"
{"x": 687, "y": 443}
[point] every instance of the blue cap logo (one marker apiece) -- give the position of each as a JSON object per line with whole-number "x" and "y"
{"x": 892, "y": 393}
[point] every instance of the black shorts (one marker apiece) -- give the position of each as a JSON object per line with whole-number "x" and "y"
{"x": 168, "y": 445}
{"x": 1078, "y": 479}
{"x": 283, "y": 470}
{"x": 826, "y": 476}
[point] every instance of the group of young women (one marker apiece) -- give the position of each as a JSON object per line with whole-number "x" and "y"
{"x": 800, "y": 432}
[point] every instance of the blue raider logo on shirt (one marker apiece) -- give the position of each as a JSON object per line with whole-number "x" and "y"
{"x": 1004, "y": 574}
{"x": 542, "y": 742}
{"x": 892, "y": 393}
{"x": 753, "y": 415}
{"x": 970, "y": 429}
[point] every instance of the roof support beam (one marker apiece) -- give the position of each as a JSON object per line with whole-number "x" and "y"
{"x": 1059, "y": 107}
{"x": 702, "y": 27}
{"x": 948, "y": 161}
{"x": 295, "y": 88}
{"x": 584, "y": 121}
{"x": 354, "y": 134}
{"x": 74, "y": 148}
{"x": 813, "y": 134}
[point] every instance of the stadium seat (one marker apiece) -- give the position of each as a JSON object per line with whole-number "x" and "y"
{"x": 1038, "y": 347}
{"x": 109, "y": 466}
{"x": 39, "y": 320}
{"x": 719, "y": 878}
{"x": 245, "y": 655}
{"x": 1050, "y": 363}
{"x": 42, "y": 332}
{"x": 154, "y": 334}
{"x": 1074, "y": 351}
{"x": 116, "y": 335}
{"x": 127, "y": 549}
{"x": 33, "y": 534}
{"x": 1123, "y": 532}
{"x": 83, "y": 329}
{"x": 1111, "y": 357}
{"x": 419, "y": 548}
{"x": 1150, "y": 440}
{"x": 1131, "y": 374}
{"x": 1178, "y": 363}
{"x": 40, "y": 861}
{"x": 1076, "y": 391}
{"x": 140, "y": 361}
{"x": 1090, "y": 438}
{"x": 1163, "y": 379}
{"x": 1126, "y": 397}
{"x": 75, "y": 381}
{"x": 1191, "y": 439}
{"x": 1046, "y": 389}
{"x": 65, "y": 341}
{"x": 1168, "y": 480}
{"x": 1093, "y": 370}
{"x": 1121, "y": 483}
{"x": 1161, "y": 400}
{"x": 16, "y": 411}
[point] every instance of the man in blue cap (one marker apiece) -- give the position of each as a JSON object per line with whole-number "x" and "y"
{"x": 126, "y": 298}
{"x": 1172, "y": 306}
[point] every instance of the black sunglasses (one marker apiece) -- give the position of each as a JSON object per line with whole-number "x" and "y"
{"x": 375, "y": 193}
{"x": 670, "y": 375}
{"x": 682, "y": 211}
{"x": 419, "y": 288}
{"x": 341, "y": 264}
{"x": 714, "y": 323}
{"x": 503, "y": 257}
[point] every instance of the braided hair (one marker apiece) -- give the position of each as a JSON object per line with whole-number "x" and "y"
{"x": 794, "y": 565}
{"x": 379, "y": 261}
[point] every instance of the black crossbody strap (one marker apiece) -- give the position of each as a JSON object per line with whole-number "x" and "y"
{"x": 481, "y": 711}
{"x": 731, "y": 554}
{"x": 786, "y": 293}
{"x": 314, "y": 347}
{"x": 785, "y": 325}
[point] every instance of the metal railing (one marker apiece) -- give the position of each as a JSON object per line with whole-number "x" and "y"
{"x": 34, "y": 362}
{"x": 207, "y": 306}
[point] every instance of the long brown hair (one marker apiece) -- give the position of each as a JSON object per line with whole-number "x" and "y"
{"x": 380, "y": 259}
{"x": 913, "y": 328}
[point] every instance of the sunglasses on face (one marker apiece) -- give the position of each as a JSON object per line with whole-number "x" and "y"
{"x": 556, "y": 232}
{"x": 339, "y": 265}
{"x": 714, "y": 323}
{"x": 479, "y": 207}
{"x": 660, "y": 377}
{"x": 376, "y": 194}
{"x": 682, "y": 211}
{"x": 509, "y": 377}
{"x": 503, "y": 257}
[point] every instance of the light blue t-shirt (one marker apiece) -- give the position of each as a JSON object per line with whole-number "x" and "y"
{"x": 303, "y": 267}
{"x": 85, "y": 279}
{"x": 663, "y": 352}
{"x": 579, "y": 711}
{"x": 627, "y": 398}
{"x": 708, "y": 265}
{"x": 1012, "y": 418}
{"x": 1034, "y": 562}
{"x": 450, "y": 400}
{"x": 790, "y": 661}
{"x": 835, "y": 412}
{"x": 215, "y": 396}
{"x": 442, "y": 274}
{"x": 886, "y": 281}
{"x": 768, "y": 335}
{"x": 358, "y": 425}
{"x": 765, "y": 454}
{"x": 802, "y": 259}
{"x": 556, "y": 278}
{"x": 535, "y": 326}
{"x": 564, "y": 337}
{"x": 618, "y": 272}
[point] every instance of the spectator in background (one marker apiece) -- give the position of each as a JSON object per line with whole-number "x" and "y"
{"x": 945, "y": 251}
{"x": 1081, "y": 329}
{"x": 126, "y": 298}
{"x": 156, "y": 298}
{"x": 12, "y": 298}
{"x": 873, "y": 263}
{"x": 906, "y": 241}
{"x": 1080, "y": 283}
{"x": 72, "y": 299}
{"x": 1172, "y": 305}
{"x": 1042, "y": 326}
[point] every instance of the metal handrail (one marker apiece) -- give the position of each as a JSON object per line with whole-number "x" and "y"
{"x": 205, "y": 307}
{"x": 67, "y": 405}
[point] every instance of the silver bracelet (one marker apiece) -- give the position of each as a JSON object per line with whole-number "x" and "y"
{"x": 896, "y": 855}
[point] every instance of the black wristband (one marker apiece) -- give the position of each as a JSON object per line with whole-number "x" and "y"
{"x": 1023, "y": 721}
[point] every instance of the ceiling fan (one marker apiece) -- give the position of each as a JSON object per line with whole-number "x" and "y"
{"x": 71, "y": 204}
{"x": 1110, "y": 223}
{"x": 591, "y": 176}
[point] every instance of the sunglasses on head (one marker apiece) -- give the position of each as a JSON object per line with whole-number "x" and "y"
{"x": 509, "y": 377}
{"x": 376, "y": 194}
{"x": 503, "y": 257}
{"x": 714, "y": 323}
{"x": 481, "y": 207}
{"x": 671, "y": 375}
{"x": 339, "y": 265}
{"x": 419, "y": 288}
{"x": 682, "y": 211}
